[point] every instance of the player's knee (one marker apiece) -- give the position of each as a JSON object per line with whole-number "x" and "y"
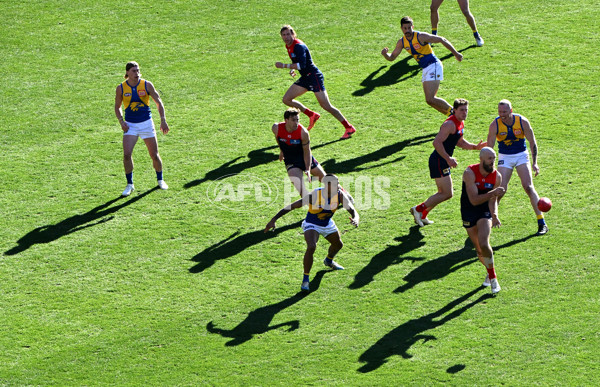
{"x": 311, "y": 247}
{"x": 338, "y": 245}
{"x": 447, "y": 195}
{"x": 430, "y": 100}
{"x": 529, "y": 189}
{"x": 155, "y": 156}
{"x": 127, "y": 156}
{"x": 287, "y": 101}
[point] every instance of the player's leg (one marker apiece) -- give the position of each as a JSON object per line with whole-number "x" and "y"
{"x": 128, "y": 145}
{"x": 445, "y": 191}
{"x": 431, "y": 88}
{"x": 435, "y": 16}
{"x": 311, "y": 237}
{"x": 506, "y": 173}
{"x": 297, "y": 178}
{"x": 484, "y": 229}
{"x": 318, "y": 172}
{"x": 323, "y": 99}
{"x": 335, "y": 246}
{"x": 524, "y": 172}
{"x": 291, "y": 94}
{"x": 464, "y": 7}
{"x": 152, "y": 146}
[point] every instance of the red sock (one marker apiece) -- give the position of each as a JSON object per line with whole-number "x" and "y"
{"x": 421, "y": 207}
{"x": 491, "y": 273}
{"x": 346, "y": 124}
{"x": 308, "y": 112}
{"x": 425, "y": 212}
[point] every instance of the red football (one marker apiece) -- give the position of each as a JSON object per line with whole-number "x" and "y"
{"x": 544, "y": 204}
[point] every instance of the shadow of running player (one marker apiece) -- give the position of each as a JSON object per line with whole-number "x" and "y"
{"x": 52, "y": 232}
{"x": 391, "y": 255}
{"x": 400, "y": 339}
{"x": 233, "y": 245}
{"x": 259, "y": 320}
{"x": 446, "y": 264}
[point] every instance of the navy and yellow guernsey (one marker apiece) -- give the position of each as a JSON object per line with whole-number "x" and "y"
{"x": 320, "y": 209}
{"x": 136, "y": 102}
{"x": 423, "y": 53}
{"x": 511, "y": 138}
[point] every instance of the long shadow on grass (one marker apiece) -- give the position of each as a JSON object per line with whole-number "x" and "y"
{"x": 391, "y": 255}
{"x": 259, "y": 320}
{"x": 400, "y": 339}
{"x": 396, "y": 73}
{"x": 255, "y": 158}
{"x": 355, "y": 164}
{"x": 449, "y": 263}
{"x": 233, "y": 245}
{"x": 52, "y": 232}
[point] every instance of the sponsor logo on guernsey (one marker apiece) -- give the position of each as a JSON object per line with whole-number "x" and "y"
{"x": 488, "y": 185}
{"x": 127, "y": 94}
{"x": 417, "y": 46}
{"x": 517, "y": 132}
{"x": 503, "y": 133}
{"x": 142, "y": 93}
{"x": 294, "y": 142}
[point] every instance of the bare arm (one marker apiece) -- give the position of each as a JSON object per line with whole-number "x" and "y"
{"x": 428, "y": 38}
{"x": 297, "y": 204}
{"x": 305, "y": 138}
{"x": 491, "y": 139}
{"x": 159, "y": 104}
{"x": 118, "y": 112}
{"x": 530, "y": 136}
{"x": 347, "y": 204}
{"x": 493, "y": 203}
{"x": 275, "y": 129}
{"x": 474, "y": 197}
{"x": 446, "y": 129}
{"x": 391, "y": 57}
{"x": 464, "y": 144}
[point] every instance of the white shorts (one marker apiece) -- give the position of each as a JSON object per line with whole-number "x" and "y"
{"x": 142, "y": 129}
{"x": 512, "y": 161}
{"x": 433, "y": 72}
{"x": 331, "y": 228}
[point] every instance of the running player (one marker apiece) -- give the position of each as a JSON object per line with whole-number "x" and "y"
{"x": 511, "y": 130}
{"x": 481, "y": 188}
{"x": 464, "y": 7}
{"x": 311, "y": 79}
{"x": 322, "y": 204}
{"x": 449, "y": 137}
{"x": 134, "y": 94}
{"x": 294, "y": 144}
{"x": 417, "y": 45}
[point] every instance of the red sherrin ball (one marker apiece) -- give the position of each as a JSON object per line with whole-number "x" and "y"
{"x": 544, "y": 204}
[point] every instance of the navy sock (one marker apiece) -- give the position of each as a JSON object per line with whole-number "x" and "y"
{"x": 159, "y": 175}
{"x": 433, "y": 32}
{"x": 541, "y": 221}
{"x": 328, "y": 260}
{"x": 129, "y": 177}
{"x": 305, "y": 278}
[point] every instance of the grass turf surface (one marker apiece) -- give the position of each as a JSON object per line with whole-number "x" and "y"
{"x": 168, "y": 288}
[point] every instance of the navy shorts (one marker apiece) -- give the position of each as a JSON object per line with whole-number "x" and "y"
{"x": 438, "y": 167}
{"x": 300, "y": 164}
{"x": 314, "y": 82}
{"x": 471, "y": 215}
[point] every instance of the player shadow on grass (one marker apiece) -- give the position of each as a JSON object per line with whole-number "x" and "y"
{"x": 447, "y": 264}
{"x": 391, "y": 255}
{"x": 355, "y": 164}
{"x": 398, "y": 72}
{"x": 259, "y": 320}
{"x": 255, "y": 158}
{"x": 400, "y": 339}
{"x": 52, "y": 232}
{"x": 233, "y": 245}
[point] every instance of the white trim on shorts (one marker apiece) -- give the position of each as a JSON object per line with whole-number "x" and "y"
{"x": 143, "y": 129}
{"x": 512, "y": 161}
{"x": 433, "y": 72}
{"x": 331, "y": 228}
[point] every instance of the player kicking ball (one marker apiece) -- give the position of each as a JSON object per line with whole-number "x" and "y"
{"x": 322, "y": 204}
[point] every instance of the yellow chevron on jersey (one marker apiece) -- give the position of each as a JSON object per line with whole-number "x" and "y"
{"x": 141, "y": 92}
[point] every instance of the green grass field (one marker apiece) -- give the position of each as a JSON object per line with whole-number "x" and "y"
{"x": 169, "y": 288}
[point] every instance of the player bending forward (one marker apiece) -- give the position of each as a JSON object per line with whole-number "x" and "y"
{"x": 322, "y": 204}
{"x": 479, "y": 209}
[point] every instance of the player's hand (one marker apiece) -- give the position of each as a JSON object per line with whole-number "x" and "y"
{"x": 481, "y": 145}
{"x": 459, "y": 56}
{"x": 385, "y": 51}
{"x": 270, "y": 225}
{"x": 280, "y": 156}
{"x": 496, "y": 222}
{"x": 292, "y": 73}
{"x": 452, "y": 162}
{"x": 124, "y": 126}
{"x": 354, "y": 221}
{"x": 279, "y": 65}
{"x": 499, "y": 191}
{"x": 164, "y": 126}
{"x": 536, "y": 169}
{"x": 308, "y": 176}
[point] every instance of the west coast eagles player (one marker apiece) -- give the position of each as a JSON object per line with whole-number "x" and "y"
{"x": 511, "y": 130}
{"x": 134, "y": 95}
{"x": 322, "y": 204}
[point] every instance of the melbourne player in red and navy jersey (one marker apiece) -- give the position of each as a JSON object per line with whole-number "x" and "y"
{"x": 134, "y": 95}
{"x": 418, "y": 45}
{"x": 322, "y": 204}
{"x": 311, "y": 79}
{"x": 294, "y": 144}
{"x": 481, "y": 188}
{"x": 449, "y": 137}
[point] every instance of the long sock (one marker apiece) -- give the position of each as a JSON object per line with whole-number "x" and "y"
{"x": 129, "y": 177}
{"x": 489, "y": 265}
{"x": 159, "y": 175}
{"x": 346, "y": 124}
{"x": 421, "y": 207}
{"x": 308, "y": 112}
{"x": 540, "y": 219}
{"x": 328, "y": 260}
{"x": 475, "y": 33}
{"x": 425, "y": 212}
{"x": 305, "y": 278}
{"x": 434, "y": 32}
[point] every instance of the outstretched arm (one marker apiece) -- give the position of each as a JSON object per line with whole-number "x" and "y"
{"x": 347, "y": 204}
{"x": 297, "y": 204}
{"x": 428, "y": 38}
{"x": 391, "y": 57}
{"x": 464, "y": 144}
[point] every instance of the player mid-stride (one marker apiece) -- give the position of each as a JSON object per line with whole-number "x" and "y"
{"x": 322, "y": 204}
